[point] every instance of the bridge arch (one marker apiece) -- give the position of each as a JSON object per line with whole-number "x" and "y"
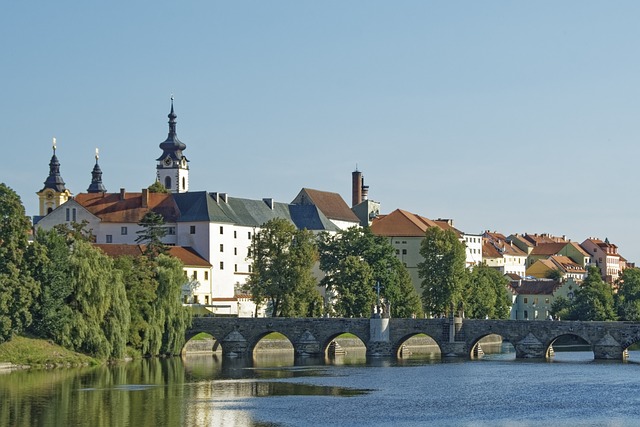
{"x": 329, "y": 342}
{"x": 416, "y": 343}
{"x": 491, "y": 342}
{"x": 570, "y": 338}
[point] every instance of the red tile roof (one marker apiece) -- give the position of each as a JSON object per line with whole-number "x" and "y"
{"x": 332, "y": 205}
{"x": 112, "y": 207}
{"x": 547, "y": 249}
{"x": 186, "y": 254}
{"x": 401, "y": 223}
{"x": 535, "y": 287}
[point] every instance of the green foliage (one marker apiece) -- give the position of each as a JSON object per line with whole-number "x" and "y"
{"x": 76, "y": 231}
{"x": 487, "y": 295}
{"x": 170, "y": 315}
{"x": 628, "y": 296}
{"x": 152, "y": 233}
{"x": 157, "y": 187}
{"x": 593, "y": 300}
{"x": 443, "y": 271}
{"x": 554, "y": 274}
{"x": 375, "y": 252}
{"x": 560, "y": 308}
{"x": 153, "y": 288}
{"x": 99, "y": 310}
{"x": 282, "y": 261}
{"x": 17, "y": 287}
{"x": 354, "y": 291}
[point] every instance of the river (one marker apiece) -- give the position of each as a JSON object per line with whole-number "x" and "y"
{"x": 345, "y": 391}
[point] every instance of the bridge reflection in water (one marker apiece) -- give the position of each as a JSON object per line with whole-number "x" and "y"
{"x": 238, "y": 337}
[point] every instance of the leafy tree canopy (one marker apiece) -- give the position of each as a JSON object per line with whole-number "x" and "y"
{"x": 152, "y": 233}
{"x": 593, "y": 300}
{"x": 17, "y": 288}
{"x": 378, "y": 254}
{"x": 487, "y": 295}
{"x": 443, "y": 271}
{"x": 282, "y": 259}
{"x": 157, "y": 187}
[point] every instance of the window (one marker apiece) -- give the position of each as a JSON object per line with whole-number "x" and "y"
{"x": 195, "y": 299}
{"x": 206, "y": 299}
{"x": 404, "y": 252}
{"x": 221, "y": 247}
{"x": 526, "y": 300}
{"x": 68, "y": 214}
{"x": 404, "y": 242}
{"x": 235, "y": 234}
{"x": 221, "y": 230}
{"x": 192, "y": 229}
{"x": 235, "y": 268}
{"x": 171, "y": 231}
{"x": 206, "y": 275}
{"x": 546, "y": 300}
{"x": 167, "y": 183}
{"x": 73, "y": 214}
{"x": 526, "y": 315}
{"x": 249, "y": 268}
{"x": 184, "y": 183}
{"x": 195, "y": 275}
{"x": 249, "y": 234}
{"x": 123, "y": 231}
{"x": 109, "y": 238}
{"x": 397, "y": 251}
{"x": 221, "y": 265}
{"x": 235, "y": 251}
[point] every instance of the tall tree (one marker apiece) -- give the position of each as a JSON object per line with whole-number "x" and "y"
{"x": 628, "y": 296}
{"x": 443, "y": 271}
{"x": 354, "y": 290}
{"x": 171, "y": 314}
{"x": 486, "y": 296}
{"x": 152, "y": 233}
{"x": 281, "y": 270}
{"x": 593, "y": 300}
{"x": 17, "y": 288}
{"x": 378, "y": 254}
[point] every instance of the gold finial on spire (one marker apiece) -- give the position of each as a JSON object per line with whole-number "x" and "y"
{"x": 97, "y": 156}
{"x": 54, "y": 143}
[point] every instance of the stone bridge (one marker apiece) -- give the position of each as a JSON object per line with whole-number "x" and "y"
{"x": 385, "y": 337}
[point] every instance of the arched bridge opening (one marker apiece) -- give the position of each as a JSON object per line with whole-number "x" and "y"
{"x": 417, "y": 346}
{"x": 201, "y": 343}
{"x": 344, "y": 348}
{"x": 492, "y": 346}
{"x": 272, "y": 349}
{"x": 569, "y": 347}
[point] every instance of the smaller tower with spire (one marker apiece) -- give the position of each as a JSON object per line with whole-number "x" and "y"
{"x": 96, "y": 179}
{"x": 54, "y": 193}
{"x": 172, "y": 168}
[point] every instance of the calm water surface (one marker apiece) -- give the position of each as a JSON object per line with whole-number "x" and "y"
{"x": 348, "y": 391}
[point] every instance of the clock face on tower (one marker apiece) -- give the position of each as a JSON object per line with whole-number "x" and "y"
{"x": 49, "y": 195}
{"x": 167, "y": 161}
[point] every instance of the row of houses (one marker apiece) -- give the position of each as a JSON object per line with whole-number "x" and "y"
{"x": 210, "y": 232}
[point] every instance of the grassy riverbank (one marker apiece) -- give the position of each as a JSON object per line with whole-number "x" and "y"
{"x": 39, "y": 353}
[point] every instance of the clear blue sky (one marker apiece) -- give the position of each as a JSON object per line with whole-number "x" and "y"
{"x": 508, "y": 116}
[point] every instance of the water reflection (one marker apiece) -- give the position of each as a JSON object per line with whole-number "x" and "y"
{"x": 212, "y": 390}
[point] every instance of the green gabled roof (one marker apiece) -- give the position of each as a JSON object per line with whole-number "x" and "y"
{"x": 254, "y": 213}
{"x": 202, "y": 206}
{"x": 199, "y": 206}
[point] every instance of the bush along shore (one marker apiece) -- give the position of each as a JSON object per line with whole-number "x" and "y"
{"x": 24, "y": 352}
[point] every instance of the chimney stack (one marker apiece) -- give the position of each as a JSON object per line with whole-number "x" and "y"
{"x": 356, "y": 187}
{"x": 122, "y": 193}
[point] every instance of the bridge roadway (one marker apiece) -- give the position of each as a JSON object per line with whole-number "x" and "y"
{"x": 384, "y": 337}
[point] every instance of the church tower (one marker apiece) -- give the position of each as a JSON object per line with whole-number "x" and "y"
{"x": 173, "y": 168}
{"x": 54, "y": 193}
{"x": 96, "y": 179}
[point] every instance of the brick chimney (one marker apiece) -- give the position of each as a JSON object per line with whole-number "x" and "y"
{"x": 356, "y": 187}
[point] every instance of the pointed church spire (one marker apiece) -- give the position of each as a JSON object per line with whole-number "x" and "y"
{"x": 54, "y": 181}
{"x": 172, "y": 147}
{"x": 96, "y": 179}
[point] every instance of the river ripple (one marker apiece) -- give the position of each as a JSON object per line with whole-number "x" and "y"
{"x": 205, "y": 390}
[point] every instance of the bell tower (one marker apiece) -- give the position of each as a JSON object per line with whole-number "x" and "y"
{"x": 96, "y": 185}
{"x": 173, "y": 168}
{"x": 54, "y": 193}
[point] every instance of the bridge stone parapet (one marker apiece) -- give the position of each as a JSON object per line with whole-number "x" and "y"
{"x": 385, "y": 337}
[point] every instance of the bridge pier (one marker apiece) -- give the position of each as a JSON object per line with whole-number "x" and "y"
{"x": 234, "y": 345}
{"x": 379, "y": 344}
